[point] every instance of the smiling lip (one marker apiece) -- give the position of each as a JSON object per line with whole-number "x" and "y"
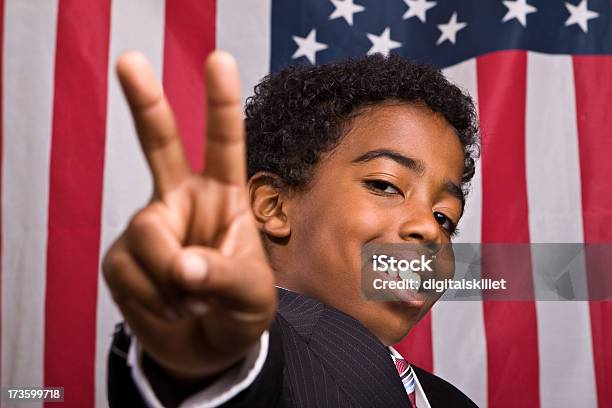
{"x": 410, "y": 297}
{"x": 416, "y": 303}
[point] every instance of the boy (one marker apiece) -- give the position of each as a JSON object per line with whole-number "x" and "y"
{"x": 376, "y": 150}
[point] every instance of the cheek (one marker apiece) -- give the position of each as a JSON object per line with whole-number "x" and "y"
{"x": 347, "y": 215}
{"x": 341, "y": 229}
{"x": 336, "y": 231}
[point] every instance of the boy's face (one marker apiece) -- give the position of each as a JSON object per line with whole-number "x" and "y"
{"x": 394, "y": 178}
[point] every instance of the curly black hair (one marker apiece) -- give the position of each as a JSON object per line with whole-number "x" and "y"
{"x": 301, "y": 112}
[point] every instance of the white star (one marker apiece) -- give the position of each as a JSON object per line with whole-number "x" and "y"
{"x": 308, "y": 46}
{"x": 449, "y": 30}
{"x": 418, "y": 8}
{"x": 346, "y": 9}
{"x": 382, "y": 43}
{"x": 580, "y": 15}
{"x": 518, "y": 9}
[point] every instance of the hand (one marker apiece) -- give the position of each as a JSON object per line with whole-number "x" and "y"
{"x": 189, "y": 273}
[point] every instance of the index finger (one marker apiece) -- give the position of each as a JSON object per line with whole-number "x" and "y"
{"x": 225, "y": 148}
{"x": 154, "y": 121}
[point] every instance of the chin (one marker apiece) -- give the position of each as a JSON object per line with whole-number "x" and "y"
{"x": 398, "y": 319}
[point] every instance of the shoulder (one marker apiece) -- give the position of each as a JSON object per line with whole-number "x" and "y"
{"x": 440, "y": 392}
{"x": 299, "y": 311}
{"x": 310, "y": 318}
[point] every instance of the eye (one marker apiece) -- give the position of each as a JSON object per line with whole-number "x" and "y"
{"x": 446, "y": 223}
{"x": 382, "y": 187}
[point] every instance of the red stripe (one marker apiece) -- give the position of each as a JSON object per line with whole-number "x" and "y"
{"x": 417, "y": 346}
{"x": 511, "y": 327}
{"x": 593, "y": 82}
{"x": 75, "y": 198}
{"x": 189, "y": 37}
{"x": 1, "y": 155}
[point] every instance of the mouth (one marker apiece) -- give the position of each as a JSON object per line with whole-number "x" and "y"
{"x": 409, "y": 296}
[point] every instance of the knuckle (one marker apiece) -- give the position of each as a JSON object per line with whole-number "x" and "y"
{"x": 114, "y": 262}
{"x": 143, "y": 221}
{"x": 156, "y": 126}
{"x": 115, "y": 268}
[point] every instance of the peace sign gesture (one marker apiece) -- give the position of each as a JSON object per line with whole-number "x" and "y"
{"x": 189, "y": 273}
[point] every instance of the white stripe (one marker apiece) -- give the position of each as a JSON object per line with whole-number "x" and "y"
{"x": 29, "y": 56}
{"x": 555, "y": 215}
{"x": 127, "y": 184}
{"x": 459, "y": 341}
{"x": 244, "y": 29}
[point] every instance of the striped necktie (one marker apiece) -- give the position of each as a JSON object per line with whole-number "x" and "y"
{"x": 407, "y": 376}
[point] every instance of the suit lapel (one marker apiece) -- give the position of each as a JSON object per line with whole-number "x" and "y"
{"x": 354, "y": 357}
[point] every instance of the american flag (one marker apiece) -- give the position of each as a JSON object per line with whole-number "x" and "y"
{"x": 72, "y": 172}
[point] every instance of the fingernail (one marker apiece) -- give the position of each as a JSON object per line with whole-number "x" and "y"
{"x": 197, "y": 307}
{"x": 193, "y": 269}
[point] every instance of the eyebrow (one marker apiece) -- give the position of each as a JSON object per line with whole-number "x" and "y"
{"x": 456, "y": 192}
{"x": 416, "y": 165}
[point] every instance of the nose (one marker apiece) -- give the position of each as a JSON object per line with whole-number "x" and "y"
{"x": 420, "y": 227}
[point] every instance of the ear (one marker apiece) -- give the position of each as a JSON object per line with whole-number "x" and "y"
{"x": 268, "y": 204}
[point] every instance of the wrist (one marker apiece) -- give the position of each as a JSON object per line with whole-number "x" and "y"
{"x": 171, "y": 386}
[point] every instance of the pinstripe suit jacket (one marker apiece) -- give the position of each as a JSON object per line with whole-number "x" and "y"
{"x": 317, "y": 357}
